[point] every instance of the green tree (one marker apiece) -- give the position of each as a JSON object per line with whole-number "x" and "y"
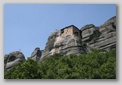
{"x": 98, "y": 64}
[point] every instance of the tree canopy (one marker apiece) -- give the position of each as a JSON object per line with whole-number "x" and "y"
{"x": 98, "y": 64}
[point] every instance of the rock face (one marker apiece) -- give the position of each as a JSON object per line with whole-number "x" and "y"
{"x": 12, "y": 59}
{"x": 102, "y": 37}
{"x": 36, "y": 55}
{"x": 65, "y": 41}
{"x": 71, "y": 40}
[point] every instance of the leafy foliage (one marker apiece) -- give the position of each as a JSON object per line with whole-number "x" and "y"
{"x": 98, "y": 64}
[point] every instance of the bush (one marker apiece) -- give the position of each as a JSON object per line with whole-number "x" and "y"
{"x": 98, "y": 64}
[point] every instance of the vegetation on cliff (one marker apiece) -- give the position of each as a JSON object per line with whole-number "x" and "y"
{"x": 98, "y": 64}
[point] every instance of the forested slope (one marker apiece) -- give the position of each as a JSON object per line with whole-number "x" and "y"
{"x": 98, "y": 64}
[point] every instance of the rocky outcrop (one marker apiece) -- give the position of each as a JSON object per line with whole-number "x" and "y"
{"x": 71, "y": 40}
{"x": 102, "y": 37}
{"x": 36, "y": 55}
{"x": 12, "y": 59}
{"x": 65, "y": 41}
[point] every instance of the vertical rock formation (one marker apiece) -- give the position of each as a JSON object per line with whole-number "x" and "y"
{"x": 65, "y": 41}
{"x": 102, "y": 37}
{"x": 12, "y": 59}
{"x": 36, "y": 55}
{"x": 107, "y": 39}
{"x": 71, "y": 40}
{"x": 88, "y": 32}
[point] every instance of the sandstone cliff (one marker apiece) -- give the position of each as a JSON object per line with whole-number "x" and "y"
{"x": 102, "y": 37}
{"x": 65, "y": 41}
{"x": 71, "y": 40}
{"x": 36, "y": 54}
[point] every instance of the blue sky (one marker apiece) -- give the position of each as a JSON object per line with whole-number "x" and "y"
{"x": 27, "y": 26}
